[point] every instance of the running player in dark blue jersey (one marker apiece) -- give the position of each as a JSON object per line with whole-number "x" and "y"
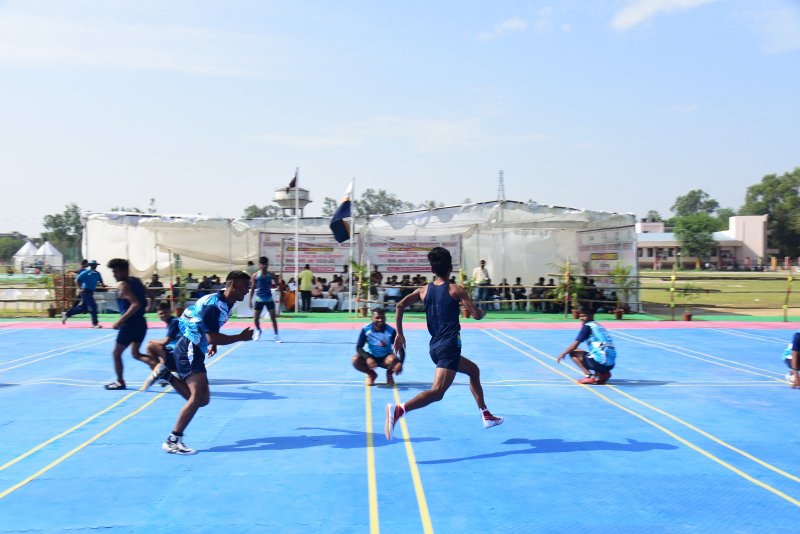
{"x": 442, "y": 302}
{"x": 132, "y": 326}
{"x": 261, "y": 286}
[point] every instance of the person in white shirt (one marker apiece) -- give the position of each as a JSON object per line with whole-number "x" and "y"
{"x": 480, "y": 276}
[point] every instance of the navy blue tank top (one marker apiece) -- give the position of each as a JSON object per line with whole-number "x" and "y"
{"x": 139, "y": 293}
{"x": 442, "y": 312}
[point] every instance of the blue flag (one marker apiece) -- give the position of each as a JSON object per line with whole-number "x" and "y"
{"x": 340, "y": 226}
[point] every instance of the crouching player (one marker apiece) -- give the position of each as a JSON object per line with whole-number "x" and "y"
{"x": 599, "y": 360}
{"x": 792, "y": 358}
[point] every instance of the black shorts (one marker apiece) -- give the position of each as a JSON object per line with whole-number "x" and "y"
{"x": 132, "y": 331}
{"x": 187, "y": 359}
{"x": 594, "y": 366}
{"x": 269, "y": 305}
{"x": 380, "y": 360}
{"x": 446, "y": 356}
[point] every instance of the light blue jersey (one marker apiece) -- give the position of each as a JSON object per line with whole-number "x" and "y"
{"x": 206, "y": 315}
{"x": 601, "y": 346}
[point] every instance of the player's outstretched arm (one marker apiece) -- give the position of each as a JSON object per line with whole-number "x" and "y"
{"x": 218, "y": 338}
{"x": 408, "y": 300}
{"x": 459, "y": 293}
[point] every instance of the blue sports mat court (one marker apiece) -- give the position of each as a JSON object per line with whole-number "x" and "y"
{"x": 695, "y": 432}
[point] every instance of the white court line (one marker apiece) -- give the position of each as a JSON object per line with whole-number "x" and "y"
{"x": 74, "y": 345}
{"x": 97, "y": 342}
{"x": 9, "y": 331}
{"x": 753, "y": 336}
{"x": 715, "y": 360}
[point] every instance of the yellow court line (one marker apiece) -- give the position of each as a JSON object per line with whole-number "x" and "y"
{"x": 696, "y": 448}
{"x": 372, "y": 481}
{"x": 96, "y": 436}
{"x": 422, "y": 503}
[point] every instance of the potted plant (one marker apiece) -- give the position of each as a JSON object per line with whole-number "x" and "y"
{"x": 361, "y": 279}
{"x": 567, "y": 290}
{"x": 623, "y": 285}
{"x": 688, "y": 293}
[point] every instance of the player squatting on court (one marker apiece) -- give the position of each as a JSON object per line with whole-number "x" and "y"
{"x": 375, "y": 349}
{"x": 599, "y": 360}
{"x": 442, "y": 301}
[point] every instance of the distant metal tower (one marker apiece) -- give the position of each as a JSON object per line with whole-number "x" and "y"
{"x": 501, "y": 188}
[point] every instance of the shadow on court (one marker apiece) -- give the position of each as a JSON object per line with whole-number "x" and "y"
{"x": 251, "y": 394}
{"x": 345, "y": 439}
{"x": 638, "y": 383}
{"x": 542, "y": 446}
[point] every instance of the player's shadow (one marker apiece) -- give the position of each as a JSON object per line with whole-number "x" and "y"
{"x": 343, "y": 439}
{"x": 406, "y": 386}
{"x": 546, "y": 446}
{"x": 249, "y": 394}
{"x": 631, "y": 383}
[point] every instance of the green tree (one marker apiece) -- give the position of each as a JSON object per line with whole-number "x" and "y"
{"x": 380, "y": 202}
{"x": 64, "y": 229}
{"x": 695, "y": 201}
{"x": 653, "y": 216}
{"x": 253, "y": 212}
{"x": 429, "y": 205}
{"x": 696, "y": 234}
{"x": 329, "y": 206}
{"x": 723, "y": 214}
{"x": 779, "y": 198}
{"x": 9, "y": 245}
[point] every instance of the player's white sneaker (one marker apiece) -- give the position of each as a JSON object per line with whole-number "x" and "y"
{"x": 256, "y": 335}
{"x": 490, "y": 420}
{"x": 790, "y": 377}
{"x": 393, "y": 413}
{"x": 278, "y": 339}
{"x": 63, "y": 317}
{"x": 174, "y": 445}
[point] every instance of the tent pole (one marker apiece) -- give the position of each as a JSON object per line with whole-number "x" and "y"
{"x": 296, "y": 239}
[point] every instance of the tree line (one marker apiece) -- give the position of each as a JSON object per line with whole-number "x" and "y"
{"x": 695, "y": 216}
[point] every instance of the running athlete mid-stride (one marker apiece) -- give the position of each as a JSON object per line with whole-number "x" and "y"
{"x": 442, "y": 302}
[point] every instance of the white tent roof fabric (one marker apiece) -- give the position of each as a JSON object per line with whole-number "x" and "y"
{"x": 515, "y": 238}
{"x": 49, "y": 255}
{"x": 28, "y": 249}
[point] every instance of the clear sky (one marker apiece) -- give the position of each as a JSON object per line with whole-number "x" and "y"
{"x": 208, "y": 106}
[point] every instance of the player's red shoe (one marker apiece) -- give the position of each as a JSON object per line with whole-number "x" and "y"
{"x": 602, "y": 378}
{"x": 490, "y": 420}
{"x": 587, "y": 380}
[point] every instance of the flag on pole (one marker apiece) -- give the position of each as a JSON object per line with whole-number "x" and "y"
{"x": 340, "y": 226}
{"x": 293, "y": 183}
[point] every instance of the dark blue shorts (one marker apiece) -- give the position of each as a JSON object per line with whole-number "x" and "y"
{"x": 594, "y": 366}
{"x": 188, "y": 359}
{"x": 446, "y": 356}
{"x": 269, "y": 305}
{"x": 132, "y": 331}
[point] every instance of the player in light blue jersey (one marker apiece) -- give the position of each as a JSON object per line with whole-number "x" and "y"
{"x": 200, "y": 327}
{"x": 375, "y": 349}
{"x": 261, "y": 287}
{"x": 600, "y": 358}
{"x": 791, "y": 355}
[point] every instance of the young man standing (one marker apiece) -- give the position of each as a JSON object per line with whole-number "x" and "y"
{"x": 442, "y": 302}
{"x": 379, "y": 340}
{"x": 200, "y": 334}
{"x": 599, "y": 360}
{"x": 132, "y": 326}
{"x": 88, "y": 280}
{"x": 306, "y": 284}
{"x": 261, "y": 286}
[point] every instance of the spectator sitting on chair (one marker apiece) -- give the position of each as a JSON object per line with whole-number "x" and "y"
{"x": 155, "y": 290}
{"x": 518, "y": 290}
{"x": 316, "y": 288}
{"x": 190, "y": 279}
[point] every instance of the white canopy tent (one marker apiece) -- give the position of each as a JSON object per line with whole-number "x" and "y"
{"x": 516, "y": 239}
{"x": 49, "y": 256}
{"x": 24, "y": 256}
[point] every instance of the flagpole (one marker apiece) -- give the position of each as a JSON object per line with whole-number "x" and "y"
{"x": 296, "y": 240}
{"x": 352, "y": 238}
